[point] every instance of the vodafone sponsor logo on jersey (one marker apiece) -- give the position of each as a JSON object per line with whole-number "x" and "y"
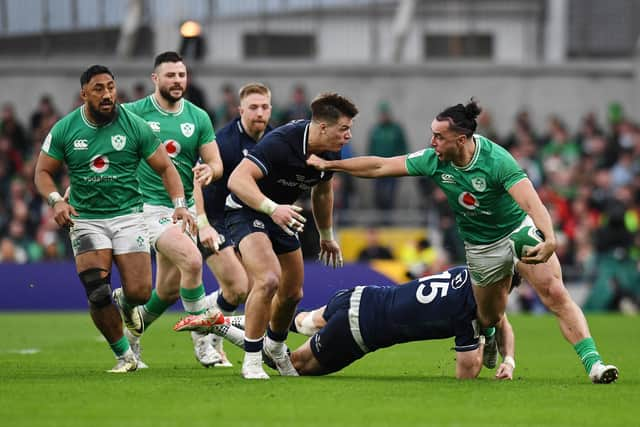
{"x": 173, "y": 147}
{"x": 99, "y": 163}
{"x": 468, "y": 201}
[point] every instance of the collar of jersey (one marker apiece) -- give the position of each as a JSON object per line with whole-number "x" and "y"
{"x": 305, "y": 139}
{"x": 165, "y": 112}
{"x": 87, "y": 122}
{"x": 240, "y": 127}
{"x": 474, "y": 159}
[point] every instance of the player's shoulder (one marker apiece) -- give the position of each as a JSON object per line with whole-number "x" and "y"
{"x": 291, "y": 129}
{"x": 127, "y": 115}
{"x": 194, "y": 110}
{"x": 229, "y": 130}
{"x": 73, "y": 118}
{"x": 490, "y": 148}
{"x": 139, "y": 106}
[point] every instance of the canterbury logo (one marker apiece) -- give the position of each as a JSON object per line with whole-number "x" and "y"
{"x": 80, "y": 144}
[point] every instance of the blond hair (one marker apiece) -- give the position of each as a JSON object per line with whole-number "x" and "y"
{"x": 254, "y": 87}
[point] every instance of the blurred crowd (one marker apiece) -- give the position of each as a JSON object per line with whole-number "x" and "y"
{"x": 589, "y": 179}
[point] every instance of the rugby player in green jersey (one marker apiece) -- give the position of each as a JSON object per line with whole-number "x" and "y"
{"x": 187, "y": 134}
{"x": 491, "y": 197}
{"x": 102, "y": 145}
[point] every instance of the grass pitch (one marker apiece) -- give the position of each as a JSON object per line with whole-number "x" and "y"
{"x": 52, "y": 373}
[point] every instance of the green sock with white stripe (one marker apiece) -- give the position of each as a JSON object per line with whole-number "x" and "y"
{"x": 193, "y": 300}
{"x": 587, "y": 353}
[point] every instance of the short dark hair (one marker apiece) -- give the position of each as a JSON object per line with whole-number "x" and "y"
{"x": 331, "y": 106}
{"x": 462, "y": 118}
{"x": 94, "y": 70}
{"x": 169, "y": 56}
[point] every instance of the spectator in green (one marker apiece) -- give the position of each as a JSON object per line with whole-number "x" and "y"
{"x": 387, "y": 139}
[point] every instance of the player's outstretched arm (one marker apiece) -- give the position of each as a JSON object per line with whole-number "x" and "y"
{"x": 506, "y": 343}
{"x": 364, "y": 166}
{"x": 160, "y": 162}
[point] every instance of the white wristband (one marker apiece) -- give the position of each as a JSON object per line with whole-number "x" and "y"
{"x": 509, "y": 361}
{"x": 179, "y": 202}
{"x": 268, "y": 206}
{"x": 202, "y": 221}
{"x": 326, "y": 233}
{"x": 53, "y": 198}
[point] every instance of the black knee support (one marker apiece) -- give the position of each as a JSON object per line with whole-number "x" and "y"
{"x": 98, "y": 288}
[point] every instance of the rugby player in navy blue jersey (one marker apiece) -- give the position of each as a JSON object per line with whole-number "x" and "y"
{"x": 364, "y": 319}
{"x": 263, "y": 222}
{"x": 215, "y": 243}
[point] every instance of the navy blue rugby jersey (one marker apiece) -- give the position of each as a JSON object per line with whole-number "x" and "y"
{"x": 432, "y": 307}
{"x": 281, "y": 156}
{"x": 234, "y": 144}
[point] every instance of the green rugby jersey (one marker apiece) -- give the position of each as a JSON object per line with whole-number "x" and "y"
{"x": 182, "y": 133}
{"x": 477, "y": 193}
{"x": 102, "y": 161}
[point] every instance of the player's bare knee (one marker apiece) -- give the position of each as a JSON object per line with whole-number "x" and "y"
{"x": 192, "y": 265}
{"x": 97, "y": 285}
{"x": 268, "y": 284}
{"x": 294, "y": 297}
{"x": 236, "y": 297}
{"x": 555, "y": 297}
{"x": 490, "y": 319}
{"x": 137, "y": 295}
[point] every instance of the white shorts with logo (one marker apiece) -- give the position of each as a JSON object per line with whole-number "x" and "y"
{"x": 122, "y": 234}
{"x": 158, "y": 219}
{"x": 491, "y": 263}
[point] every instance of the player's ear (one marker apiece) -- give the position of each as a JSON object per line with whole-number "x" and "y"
{"x": 83, "y": 94}
{"x": 154, "y": 78}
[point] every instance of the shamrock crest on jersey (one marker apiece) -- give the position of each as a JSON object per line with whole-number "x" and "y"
{"x": 187, "y": 129}
{"x": 118, "y": 142}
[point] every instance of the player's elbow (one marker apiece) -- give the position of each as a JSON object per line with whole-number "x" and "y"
{"x": 234, "y": 183}
{"x": 468, "y": 365}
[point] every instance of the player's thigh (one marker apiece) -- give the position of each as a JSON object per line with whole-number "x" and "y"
{"x": 334, "y": 346}
{"x": 492, "y": 300}
{"x": 260, "y": 262}
{"x": 89, "y": 236}
{"x": 178, "y": 247}
{"x": 490, "y": 263}
{"x": 135, "y": 271}
{"x": 292, "y": 274}
{"x": 305, "y": 362}
{"x": 545, "y": 278}
{"x": 101, "y": 258}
